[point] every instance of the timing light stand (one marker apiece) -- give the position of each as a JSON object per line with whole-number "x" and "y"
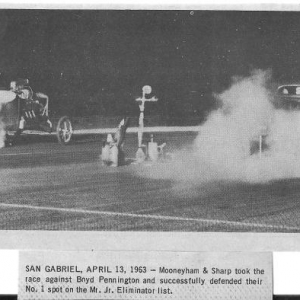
{"x": 140, "y": 154}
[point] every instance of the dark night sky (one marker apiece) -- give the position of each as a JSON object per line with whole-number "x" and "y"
{"x": 96, "y": 62}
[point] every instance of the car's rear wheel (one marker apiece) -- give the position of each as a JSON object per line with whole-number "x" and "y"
{"x": 64, "y": 130}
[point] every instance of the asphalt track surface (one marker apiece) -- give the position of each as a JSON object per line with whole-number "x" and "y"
{"x": 46, "y": 186}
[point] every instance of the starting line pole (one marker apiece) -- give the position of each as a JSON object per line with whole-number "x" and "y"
{"x": 260, "y": 145}
{"x": 140, "y": 154}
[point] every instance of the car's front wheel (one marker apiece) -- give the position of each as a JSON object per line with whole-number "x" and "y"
{"x": 64, "y": 130}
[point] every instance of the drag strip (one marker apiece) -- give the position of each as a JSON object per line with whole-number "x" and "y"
{"x": 46, "y": 186}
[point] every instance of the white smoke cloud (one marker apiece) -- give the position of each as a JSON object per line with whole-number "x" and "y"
{"x": 221, "y": 151}
{"x": 225, "y": 138}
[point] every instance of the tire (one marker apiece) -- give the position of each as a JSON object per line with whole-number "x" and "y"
{"x": 64, "y": 130}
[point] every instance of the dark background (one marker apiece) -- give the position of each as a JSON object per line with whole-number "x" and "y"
{"x": 95, "y": 62}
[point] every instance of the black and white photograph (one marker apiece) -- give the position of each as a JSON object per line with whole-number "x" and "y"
{"x": 150, "y": 120}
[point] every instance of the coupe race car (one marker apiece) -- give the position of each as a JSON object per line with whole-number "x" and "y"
{"x": 288, "y": 96}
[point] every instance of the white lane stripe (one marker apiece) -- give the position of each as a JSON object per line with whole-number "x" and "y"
{"x": 155, "y": 217}
{"x": 129, "y": 130}
{"x": 21, "y": 153}
{"x": 146, "y": 129}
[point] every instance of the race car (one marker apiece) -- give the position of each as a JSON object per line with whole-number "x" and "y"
{"x": 22, "y": 109}
{"x": 288, "y": 96}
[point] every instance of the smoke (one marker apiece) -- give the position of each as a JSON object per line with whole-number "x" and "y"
{"x": 226, "y": 147}
{"x": 223, "y": 143}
